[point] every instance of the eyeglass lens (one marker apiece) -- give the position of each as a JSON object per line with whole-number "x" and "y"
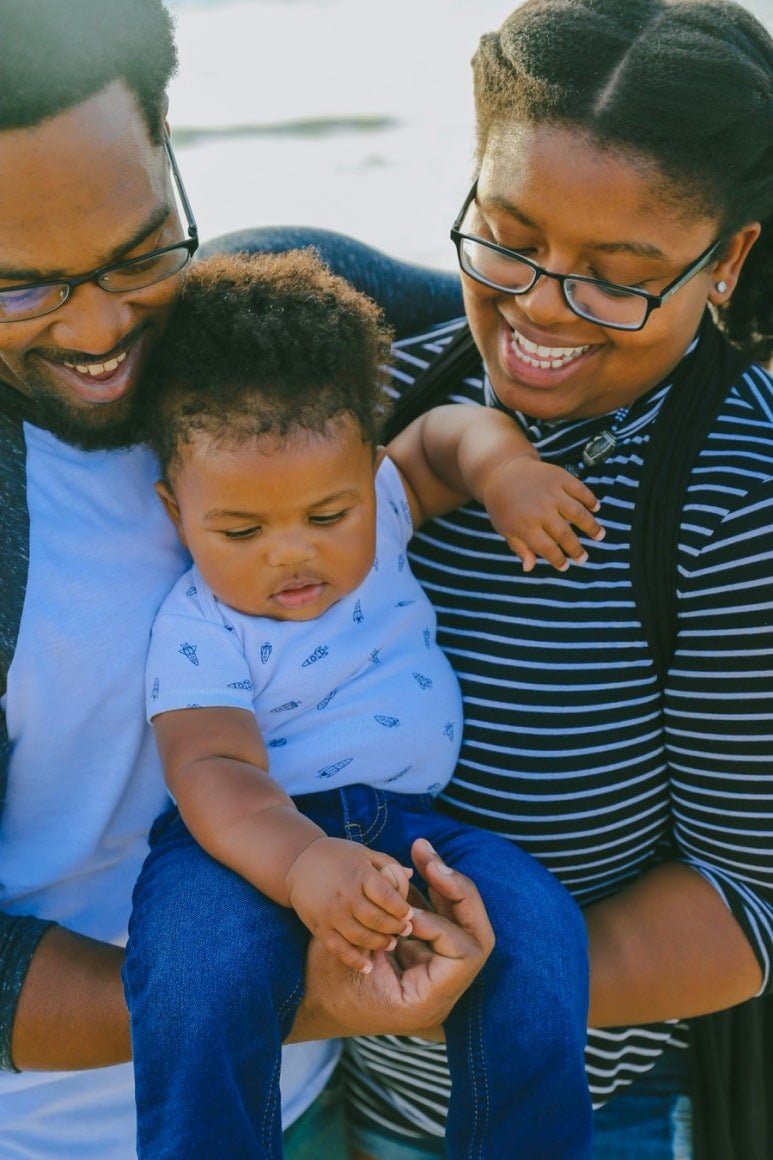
{"x": 592, "y": 300}
{"x": 146, "y": 270}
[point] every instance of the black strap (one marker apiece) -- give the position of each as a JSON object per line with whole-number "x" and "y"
{"x": 459, "y": 359}
{"x": 688, "y": 413}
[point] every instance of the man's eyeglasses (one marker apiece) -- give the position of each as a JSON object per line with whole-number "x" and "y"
{"x": 35, "y": 299}
{"x": 606, "y": 303}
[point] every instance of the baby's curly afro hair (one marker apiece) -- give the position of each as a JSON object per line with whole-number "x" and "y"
{"x": 266, "y": 345}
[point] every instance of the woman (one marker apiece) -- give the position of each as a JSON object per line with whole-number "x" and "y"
{"x": 623, "y": 191}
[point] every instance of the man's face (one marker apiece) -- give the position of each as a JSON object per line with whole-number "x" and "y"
{"x": 84, "y": 189}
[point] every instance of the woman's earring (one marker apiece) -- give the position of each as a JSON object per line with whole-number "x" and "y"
{"x": 720, "y": 287}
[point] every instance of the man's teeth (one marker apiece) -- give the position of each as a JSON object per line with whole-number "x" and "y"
{"x": 544, "y": 356}
{"x": 95, "y": 369}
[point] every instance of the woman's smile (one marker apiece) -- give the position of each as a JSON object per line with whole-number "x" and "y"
{"x": 541, "y": 361}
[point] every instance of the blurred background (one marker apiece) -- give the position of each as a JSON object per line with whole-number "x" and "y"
{"x": 355, "y": 115}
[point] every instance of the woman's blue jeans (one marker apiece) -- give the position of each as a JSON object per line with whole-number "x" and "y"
{"x": 214, "y": 976}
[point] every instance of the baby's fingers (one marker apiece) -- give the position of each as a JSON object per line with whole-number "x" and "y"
{"x": 398, "y": 875}
{"x": 581, "y": 492}
{"x": 349, "y": 955}
{"x": 377, "y": 920}
{"x": 378, "y": 889}
{"x": 542, "y": 543}
{"x": 575, "y": 513}
{"x": 567, "y": 543}
{"x": 522, "y": 550}
{"x": 358, "y": 934}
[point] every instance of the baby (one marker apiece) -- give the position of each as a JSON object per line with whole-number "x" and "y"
{"x": 306, "y": 716}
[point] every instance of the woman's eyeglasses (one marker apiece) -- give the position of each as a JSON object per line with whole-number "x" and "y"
{"x": 605, "y": 303}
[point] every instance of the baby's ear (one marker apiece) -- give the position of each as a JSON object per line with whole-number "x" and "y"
{"x": 171, "y": 506}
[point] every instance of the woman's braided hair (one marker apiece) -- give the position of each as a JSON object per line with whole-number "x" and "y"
{"x": 686, "y": 83}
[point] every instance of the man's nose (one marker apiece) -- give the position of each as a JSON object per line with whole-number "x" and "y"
{"x": 92, "y": 321}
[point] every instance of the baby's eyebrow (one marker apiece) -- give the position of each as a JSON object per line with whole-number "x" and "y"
{"x": 336, "y": 496}
{"x": 228, "y": 514}
{"x": 346, "y": 493}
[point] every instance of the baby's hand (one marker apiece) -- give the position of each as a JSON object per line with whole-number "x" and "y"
{"x": 351, "y": 898}
{"x": 534, "y": 504}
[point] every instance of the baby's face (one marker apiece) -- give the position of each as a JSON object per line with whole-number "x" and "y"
{"x": 282, "y": 530}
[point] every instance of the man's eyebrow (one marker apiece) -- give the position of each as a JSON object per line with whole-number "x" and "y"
{"x": 640, "y": 249}
{"x": 149, "y": 226}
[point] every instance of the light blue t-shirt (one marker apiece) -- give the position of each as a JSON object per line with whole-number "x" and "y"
{"x": 84, "y": 779}
{"x": 362, "y": 694}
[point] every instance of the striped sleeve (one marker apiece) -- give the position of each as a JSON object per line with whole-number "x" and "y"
{"x": 719, "y": 733}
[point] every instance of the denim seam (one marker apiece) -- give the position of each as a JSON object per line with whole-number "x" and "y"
{"x": 355, "y": 831}
{"x": 477, "y": 1073}
{"x": 379, "y": 822}
{"x": 270, "y": 1109}
{"x": 269, "y": 1112}
{"x": 293, "y": 998}
{"x": 272, "y": 1104}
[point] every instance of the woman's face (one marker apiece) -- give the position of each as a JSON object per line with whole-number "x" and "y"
{"x": 549, "y": 193}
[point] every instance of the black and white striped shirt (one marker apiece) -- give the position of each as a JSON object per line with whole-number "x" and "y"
{"x": 569, "y": 748}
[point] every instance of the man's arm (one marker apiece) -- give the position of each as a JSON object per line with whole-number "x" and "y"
{"x": 71, "y": 1013}
{"x": 665, "y": 948}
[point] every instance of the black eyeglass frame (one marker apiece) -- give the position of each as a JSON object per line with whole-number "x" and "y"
{"x": 191, "y": 244}
{"x": 653, "y": 301}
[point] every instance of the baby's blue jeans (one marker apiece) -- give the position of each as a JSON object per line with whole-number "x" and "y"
{"x": 214, "y": 976}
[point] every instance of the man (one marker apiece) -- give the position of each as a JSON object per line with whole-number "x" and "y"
{"x": 94, "y": 233}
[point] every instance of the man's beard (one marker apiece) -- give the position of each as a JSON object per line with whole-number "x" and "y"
{"x": 116, "y": 425}
{"x": 90, "y": 427}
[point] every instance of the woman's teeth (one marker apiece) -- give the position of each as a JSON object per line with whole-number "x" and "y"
{"x": 546, "y": 357}
{"x": 95, "y": 369}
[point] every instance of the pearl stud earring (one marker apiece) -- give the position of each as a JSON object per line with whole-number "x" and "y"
{"x": 721, "y": 287}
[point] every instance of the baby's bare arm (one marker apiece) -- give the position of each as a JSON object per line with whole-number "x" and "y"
{"x": 454, "y": 453}
{"x": 216, "y": 767}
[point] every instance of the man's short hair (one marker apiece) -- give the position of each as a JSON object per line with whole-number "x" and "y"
{"x": 57, "y": 53}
